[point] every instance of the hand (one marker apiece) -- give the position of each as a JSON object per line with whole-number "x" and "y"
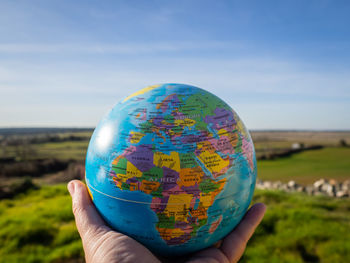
{"x": 102, "y": 244}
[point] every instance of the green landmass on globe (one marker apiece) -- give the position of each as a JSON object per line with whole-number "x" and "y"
{"x": 172, "y": 166}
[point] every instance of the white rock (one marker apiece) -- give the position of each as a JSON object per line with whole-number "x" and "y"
{"x": 318, "y": 184}
{"x": 342, "y": 194}
{"x": 296, "y": 146}
{"x": 292, "y": 184}
{"x": 330, "y": 190}
{"x": 300, "y": 188}
{"x": 346, "y": 185}
{"x": 267, "y": 184}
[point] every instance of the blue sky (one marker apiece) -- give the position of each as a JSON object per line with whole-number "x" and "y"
{"x": 279, "y": 64}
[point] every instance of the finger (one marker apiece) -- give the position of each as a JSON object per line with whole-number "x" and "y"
{"x": 234, "y": 244}
{"x": 88, "y": 221}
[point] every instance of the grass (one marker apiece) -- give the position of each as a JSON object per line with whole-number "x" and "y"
{"x": 63, "y": 150}
{"x": 39, "y": 227}
{"x": 300, "y": 228}
{"x": 60, "y": 150}
{"x": 309, "y": 166}
{"x": 272, "y": 145}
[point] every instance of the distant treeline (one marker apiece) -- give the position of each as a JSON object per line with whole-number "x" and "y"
{"x": 25, "y": 136}
{"x": 32, "y": 131}
{"x": 287, "y": 152}
{"x": 33, "y": 168}
{"x": 43, "y": 138}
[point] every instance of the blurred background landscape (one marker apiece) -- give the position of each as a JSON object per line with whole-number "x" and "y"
{"x": 283, "y": 66}
{"x": 307, "y": 219}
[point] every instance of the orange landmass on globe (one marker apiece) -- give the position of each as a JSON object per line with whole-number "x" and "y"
{"x": 149, "y": 186}
{"x": 199, "y": 213}
{"x": 206, "y": 146}
{"x": 190, "y": 176}
{"x": 170, "y": 233}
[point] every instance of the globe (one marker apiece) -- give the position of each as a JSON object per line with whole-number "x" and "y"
{"x": 173, "y": 167}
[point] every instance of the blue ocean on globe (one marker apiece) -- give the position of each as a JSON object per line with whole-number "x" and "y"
{"x": 173, "y": 167}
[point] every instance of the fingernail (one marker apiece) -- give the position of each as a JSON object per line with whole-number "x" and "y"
{"x": 71, "y": 188}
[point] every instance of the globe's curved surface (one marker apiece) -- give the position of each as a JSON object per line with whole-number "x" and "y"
{"x": 172, "y": 166}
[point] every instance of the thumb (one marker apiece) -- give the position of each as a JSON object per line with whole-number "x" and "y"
{"x": 235, "y": 243}
{"x": 88, "y": 221}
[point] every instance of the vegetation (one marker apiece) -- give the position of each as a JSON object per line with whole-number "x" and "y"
{"x": 37, "y": 224}
{"x": 59, "y": 150}
{"x": 39, "y": 227}
{"x": 309, "y": 166}
{"x": 300, "y": 228}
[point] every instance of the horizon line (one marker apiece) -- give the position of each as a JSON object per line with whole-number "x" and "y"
{"x": 92, "y": 128}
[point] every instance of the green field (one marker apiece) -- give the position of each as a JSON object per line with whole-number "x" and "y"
{"x": 305, "y": 167}
{"x": 60, "y": 150}
{"x": 39, "y": 227}
{"x": 308, "y": 166}
{"x": 300, "y": 228}
{"x": 64, "y": 150}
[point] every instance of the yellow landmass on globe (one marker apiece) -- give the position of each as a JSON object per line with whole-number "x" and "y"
{"x": 207, "y": 199}
{"x": 185, "y": 122}
{"x": 92, "y": 198}
{"x": 241, "y": 128}
{"x": 171, "y": 161}
{"x": 222, "y": 132}
{"x": 214, "y": 162}
{"x": 135, "y": 137}
{"x": 178, "y": 206}
{"x": 140, "y": 92}
{"x": 131, "y": 171}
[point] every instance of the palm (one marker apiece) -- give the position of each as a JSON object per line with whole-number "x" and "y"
{"x": 102, "y": 244}
{"x": 112, "y": 246}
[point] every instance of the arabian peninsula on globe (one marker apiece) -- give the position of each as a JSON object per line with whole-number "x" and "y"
{"x": 173, "y": 167}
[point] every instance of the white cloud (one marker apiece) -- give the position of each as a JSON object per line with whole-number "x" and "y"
{"x": 265, "y": 92}
{"x": 236, "y": 75}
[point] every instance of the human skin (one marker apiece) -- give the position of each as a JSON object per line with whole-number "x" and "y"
{"x": 103, "y": 245}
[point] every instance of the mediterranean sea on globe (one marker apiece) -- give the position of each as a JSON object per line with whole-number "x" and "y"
{"x": 173, "y": 167}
